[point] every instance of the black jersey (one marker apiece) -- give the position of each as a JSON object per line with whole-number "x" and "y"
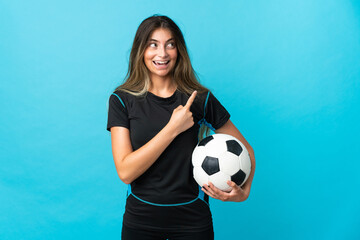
{"x": 165, "y": 196}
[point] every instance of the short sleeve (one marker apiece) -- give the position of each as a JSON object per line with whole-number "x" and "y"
{"x": 215, "y": 113}
{"x": 117, "y": 112}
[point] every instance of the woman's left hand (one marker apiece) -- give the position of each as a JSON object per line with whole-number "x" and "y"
{"x": 237, "y": 194}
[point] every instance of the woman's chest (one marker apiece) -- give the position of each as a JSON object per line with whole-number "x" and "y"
{"x": 147, "y": 120}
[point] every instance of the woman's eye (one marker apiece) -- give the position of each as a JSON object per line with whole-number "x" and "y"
{"x": 171, "y": 45}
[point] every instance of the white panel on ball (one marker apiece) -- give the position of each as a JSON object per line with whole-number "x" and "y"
{"x": 222, "y": 137}
{"x": 229, "y": 163}
{"x": 200, "y": 176}
{"x": 220, "y": 179}
{"x": 198, "y": 156}
{"x": 214, "y": 149}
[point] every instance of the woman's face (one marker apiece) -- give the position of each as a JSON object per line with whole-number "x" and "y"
{"x": 160, "y": 54}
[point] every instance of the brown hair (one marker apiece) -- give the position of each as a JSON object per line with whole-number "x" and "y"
{"x": 137, "y": 80}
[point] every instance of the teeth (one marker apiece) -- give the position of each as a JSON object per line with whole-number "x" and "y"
{"x": 159, "y": 62}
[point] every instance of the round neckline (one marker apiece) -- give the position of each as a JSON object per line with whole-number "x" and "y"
{"x": 163, "y": 99}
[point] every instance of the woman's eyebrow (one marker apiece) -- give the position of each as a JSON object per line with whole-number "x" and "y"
{"x": 154, "y": 40}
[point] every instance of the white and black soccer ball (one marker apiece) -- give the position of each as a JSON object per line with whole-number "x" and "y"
{"x": 219, "y": 158}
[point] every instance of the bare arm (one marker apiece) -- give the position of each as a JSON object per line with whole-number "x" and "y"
{"x": 131, "y": 164}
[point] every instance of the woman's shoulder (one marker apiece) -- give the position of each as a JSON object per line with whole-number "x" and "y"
{"x": 203, "y": 95}
{"x": 126, "y": 98}
{"x": 126, "y": 94}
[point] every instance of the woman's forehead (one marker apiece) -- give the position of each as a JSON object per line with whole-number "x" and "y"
{"x": 161, "y": 34}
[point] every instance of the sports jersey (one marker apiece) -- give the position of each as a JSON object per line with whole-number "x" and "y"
{"x": 165, "y": 196}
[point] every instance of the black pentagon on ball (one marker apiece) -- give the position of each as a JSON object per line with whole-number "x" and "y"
{"x": 210, "y": 165}
{"x": 238, "y": 177}
{"x": 205, "y": 140}
{"x": 234, "y": 147}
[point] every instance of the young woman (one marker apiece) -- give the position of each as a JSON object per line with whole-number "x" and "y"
{"x": 156, "y": 118}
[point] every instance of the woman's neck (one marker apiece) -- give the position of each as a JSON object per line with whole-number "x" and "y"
{"x": 162, "y": 88}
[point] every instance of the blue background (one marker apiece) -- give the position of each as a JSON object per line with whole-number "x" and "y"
{"x": 287, "y": 71}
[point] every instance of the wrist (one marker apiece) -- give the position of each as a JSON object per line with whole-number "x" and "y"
{"x": 171, "y": 131}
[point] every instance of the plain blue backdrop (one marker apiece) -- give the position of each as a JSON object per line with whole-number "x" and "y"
{"x": 287, "y": 71}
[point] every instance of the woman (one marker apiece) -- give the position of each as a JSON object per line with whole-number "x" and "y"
{"x": 154, "y": 118}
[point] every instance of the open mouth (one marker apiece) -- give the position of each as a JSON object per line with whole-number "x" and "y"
{"x": 161, "y": 63}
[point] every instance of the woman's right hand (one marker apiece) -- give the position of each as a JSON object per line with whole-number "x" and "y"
{"x": 181, "y": 118}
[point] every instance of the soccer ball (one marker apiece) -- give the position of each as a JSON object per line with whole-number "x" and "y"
{"x": 219, "y": 158}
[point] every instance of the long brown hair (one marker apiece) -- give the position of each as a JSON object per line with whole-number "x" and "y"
{"x": 137, "y": 80}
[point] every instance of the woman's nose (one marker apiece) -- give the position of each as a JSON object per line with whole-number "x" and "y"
{"x": 162, "y": 51}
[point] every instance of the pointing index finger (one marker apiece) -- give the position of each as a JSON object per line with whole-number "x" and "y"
{"x": 191, "y": 99}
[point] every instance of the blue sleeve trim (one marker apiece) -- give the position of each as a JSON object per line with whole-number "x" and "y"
{"x": 119, "y": 99}
{"x": 207, "y": 98}
{"x": 203, "y": 121}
